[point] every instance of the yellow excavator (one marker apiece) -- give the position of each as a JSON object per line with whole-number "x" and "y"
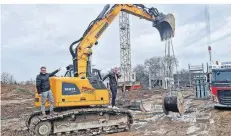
{"x": 81, "y": 98}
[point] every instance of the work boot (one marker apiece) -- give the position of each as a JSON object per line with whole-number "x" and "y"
{"x": 43, "y": 114}
{"x": 114, "y": 107}
{"x": 110, "y": 106}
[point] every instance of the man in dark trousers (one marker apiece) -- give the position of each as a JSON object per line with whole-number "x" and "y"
{"x": 43, "y": 88}
{"x": 113, "y": 80}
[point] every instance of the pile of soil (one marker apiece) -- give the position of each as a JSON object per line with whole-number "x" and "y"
{"x": 11, "y": 91}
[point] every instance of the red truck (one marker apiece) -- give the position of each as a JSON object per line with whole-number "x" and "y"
{"x": 220, "y": 84}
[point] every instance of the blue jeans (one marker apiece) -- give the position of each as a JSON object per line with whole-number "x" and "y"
{"x": 113, "y": 89}
{"x": 45, "y": 95}
{"x": 123, "y": 94}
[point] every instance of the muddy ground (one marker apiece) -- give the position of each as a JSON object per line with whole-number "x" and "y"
{"x": 199, "y": 119}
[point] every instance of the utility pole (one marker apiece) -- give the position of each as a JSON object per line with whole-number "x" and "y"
{"x": 210, "y": 55}
{"x": 208, "y": 32}
{"x": 149, "y": 79}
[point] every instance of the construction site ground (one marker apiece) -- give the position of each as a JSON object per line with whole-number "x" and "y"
{"x": 199, "y": 119}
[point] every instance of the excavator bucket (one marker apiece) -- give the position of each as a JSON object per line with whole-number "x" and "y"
{"x": 165, "y": 24}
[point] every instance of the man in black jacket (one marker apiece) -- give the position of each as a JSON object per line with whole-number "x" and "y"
{"x": 43, "y": 88}
{"x": 113, "y": 80}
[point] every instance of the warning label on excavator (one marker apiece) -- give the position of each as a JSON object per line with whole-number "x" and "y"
{"x": 87, "y": 90}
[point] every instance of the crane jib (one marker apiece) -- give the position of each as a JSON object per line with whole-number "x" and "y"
{"x": 101, "y": 30}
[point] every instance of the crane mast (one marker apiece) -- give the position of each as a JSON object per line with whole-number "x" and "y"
{"x": 125, "y": 47}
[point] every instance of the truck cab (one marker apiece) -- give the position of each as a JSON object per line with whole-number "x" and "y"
{"x": 221, "y": 85}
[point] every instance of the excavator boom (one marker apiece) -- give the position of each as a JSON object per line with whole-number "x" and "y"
{"x": 165, "y": 24}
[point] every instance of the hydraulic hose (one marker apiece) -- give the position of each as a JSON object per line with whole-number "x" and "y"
{"x": 103, "y": 12}
{"x": 71, "y": 48}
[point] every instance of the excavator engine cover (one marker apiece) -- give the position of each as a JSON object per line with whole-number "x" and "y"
{"x": 165, "y": 24}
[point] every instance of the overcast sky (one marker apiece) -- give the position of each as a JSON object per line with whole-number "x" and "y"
{"x": 36, "y": 35}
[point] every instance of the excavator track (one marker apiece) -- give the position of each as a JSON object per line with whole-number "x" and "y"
{"x": 86, "y": 121}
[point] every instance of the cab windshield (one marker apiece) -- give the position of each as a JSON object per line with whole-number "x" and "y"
{"x": 222, "y": 76}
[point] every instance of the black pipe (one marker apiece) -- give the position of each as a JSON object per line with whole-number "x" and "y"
{"x": 71, "y": 48}
{"x": 75, "y": 65}
{"x": 103, "y": 12}
{"x": 100, "y": 16}
{"x": 74, "y": 56}
{"x": 89, "y": 27}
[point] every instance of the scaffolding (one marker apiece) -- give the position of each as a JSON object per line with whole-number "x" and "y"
{"x": 198, "y": 80}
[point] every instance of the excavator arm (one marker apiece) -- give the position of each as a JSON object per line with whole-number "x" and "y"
{"x": 165, "y": 24}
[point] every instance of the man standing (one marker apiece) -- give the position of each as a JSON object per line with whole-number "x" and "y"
{"x": 113, "y": 80}
{"x": 43, "y": 88}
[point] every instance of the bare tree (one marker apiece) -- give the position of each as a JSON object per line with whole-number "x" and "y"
{"x": 141, "y": 75}
{"x": 27, "y": 82}
{"x": 171, "y": 60}
{"x": 11, "y": 79}
{"x": 4, "y": 77}
{"x": 183, "y": 77}
{"x": 7, "y": 78}
{"x": 22, "y": 82}
{"x": 154, "y": 64}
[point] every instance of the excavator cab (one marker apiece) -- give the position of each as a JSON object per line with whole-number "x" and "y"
{"x": 69, "y": 72}
{"x": 94, "y": 78}
{"x": 94, "y": 73}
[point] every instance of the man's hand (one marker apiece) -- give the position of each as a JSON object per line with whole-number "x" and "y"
{"x": 40, "y": 95}
{"x": 119, "y": 75}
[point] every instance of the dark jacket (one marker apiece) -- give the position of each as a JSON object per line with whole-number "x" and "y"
{"x": 112, "y": 79}
{"x": 42, "y": 81}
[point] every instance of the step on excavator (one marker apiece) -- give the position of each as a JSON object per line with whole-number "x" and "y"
{"x": 80, "y": 98}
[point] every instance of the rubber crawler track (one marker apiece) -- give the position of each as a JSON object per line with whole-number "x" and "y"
{"x": 37, "y": 118}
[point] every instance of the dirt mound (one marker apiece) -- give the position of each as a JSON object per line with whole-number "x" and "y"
{"x": 11, "y": 91}
{"x": 16, "y": 104}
